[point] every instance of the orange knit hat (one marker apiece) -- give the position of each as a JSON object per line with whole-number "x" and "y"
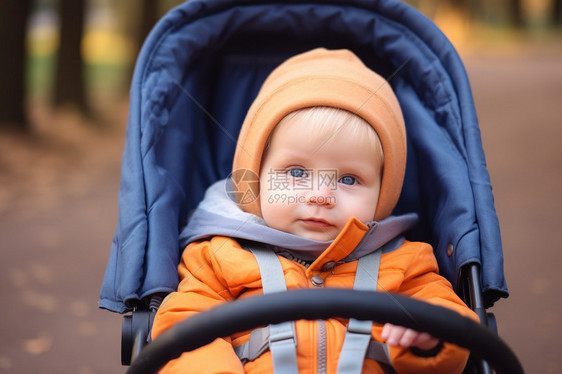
{"x": 326, "y": 78}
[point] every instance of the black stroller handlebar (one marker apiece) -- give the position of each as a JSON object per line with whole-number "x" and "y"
{"x": 313, "y": 304}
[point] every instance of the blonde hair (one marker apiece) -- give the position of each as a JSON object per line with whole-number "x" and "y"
{"x": 326, "y": 122}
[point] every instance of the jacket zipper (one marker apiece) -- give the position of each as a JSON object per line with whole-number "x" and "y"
{"x": 321, "y": 347}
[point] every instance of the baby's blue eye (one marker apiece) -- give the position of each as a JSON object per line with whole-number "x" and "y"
{"x": 348, "y": 180}
{"x": 298, "y": 173}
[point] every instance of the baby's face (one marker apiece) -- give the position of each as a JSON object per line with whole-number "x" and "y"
{"x": 311, "y": 185}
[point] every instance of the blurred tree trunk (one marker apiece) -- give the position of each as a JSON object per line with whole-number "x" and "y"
{"x": 149, "y": 16}
{"x": 470, "y": 7}
{"x": 13, "y": 28}
{"x": 136, "y": 20}
{"x": 516, "y": 13}
{"x": 149, "y": 13}
{"x": 556, "y": 13}
{"x": 70, "y": 86}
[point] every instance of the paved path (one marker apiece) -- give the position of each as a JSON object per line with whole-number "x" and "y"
{"x": 56, "y": 227}
{"x": 519, "y": 100}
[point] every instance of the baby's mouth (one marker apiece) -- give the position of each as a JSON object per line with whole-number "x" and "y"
{"x": 316, "y": 222}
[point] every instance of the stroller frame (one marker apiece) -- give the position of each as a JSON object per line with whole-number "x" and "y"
{"x": 219, "y": 40}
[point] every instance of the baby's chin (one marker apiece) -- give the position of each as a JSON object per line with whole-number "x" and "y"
{"x": 320, "y": 234}
{"x": 317, "y": 236}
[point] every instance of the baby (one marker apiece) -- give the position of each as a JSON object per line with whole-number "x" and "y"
{"x": 318, "y": 169}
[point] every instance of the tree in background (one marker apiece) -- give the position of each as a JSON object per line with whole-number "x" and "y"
{"x": 556, "y": 13}
{"x": 137, "y": 19}
{"x": 516, "y": 13}
{"x": 14, "y": 15}
{"x": 149, "y": 16}
{"x": 70, "y": 86}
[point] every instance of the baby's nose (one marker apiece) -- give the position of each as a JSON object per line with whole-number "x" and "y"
{"x": 323, "y": 195}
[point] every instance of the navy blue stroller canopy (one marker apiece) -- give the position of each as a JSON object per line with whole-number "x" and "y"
{"x": 199, "y": 71}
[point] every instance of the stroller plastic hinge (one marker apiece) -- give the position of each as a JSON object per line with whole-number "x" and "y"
{"x": 136, "y": 329}
{"x": 135, "y": 334}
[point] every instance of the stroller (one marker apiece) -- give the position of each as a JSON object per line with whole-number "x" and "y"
{"x": 197, "y": 74}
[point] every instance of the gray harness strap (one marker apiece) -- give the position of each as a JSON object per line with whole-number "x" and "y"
{"x": 358, "y": 340}
{"x": 282, "y": 337}
{"x": 379, "y": 352}
{"x": 258, "y": 344}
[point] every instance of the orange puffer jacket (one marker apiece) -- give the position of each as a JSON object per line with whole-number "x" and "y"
{"x": 219, "y": 270}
